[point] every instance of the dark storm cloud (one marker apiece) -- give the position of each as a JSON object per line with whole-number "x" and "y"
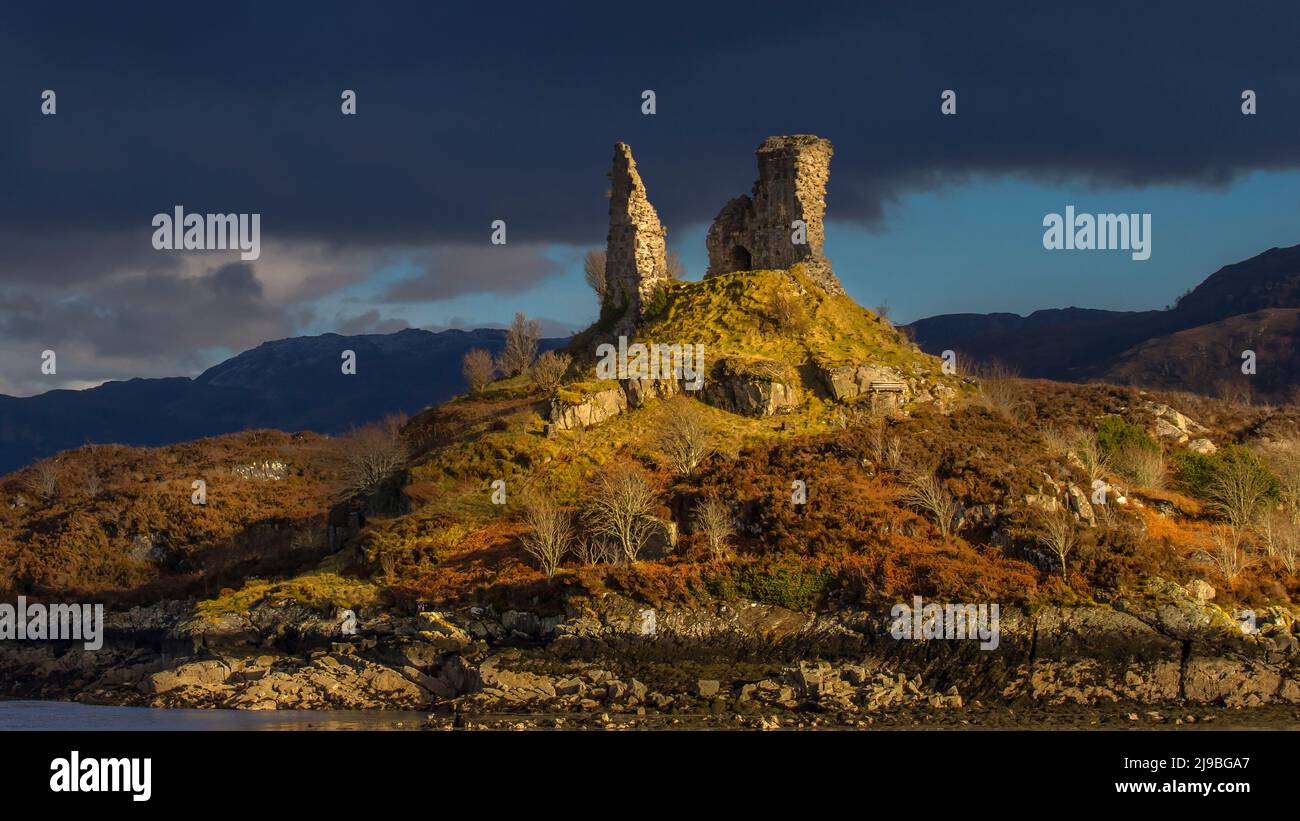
{"x": 474, "y": 112}
{"x": 462, "y": 269}
{"x": 146, "y": 325}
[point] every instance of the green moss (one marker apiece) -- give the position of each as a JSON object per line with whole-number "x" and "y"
{"x": 319, "y": 590}
{"x": 729, "y": 315}
{"x": 575, "y": 393}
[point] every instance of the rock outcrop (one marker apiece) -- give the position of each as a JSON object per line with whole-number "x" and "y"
{"x": 1167, "y": 646}
{"x": 587, "y": 409}
{"x": 759, "y": 232}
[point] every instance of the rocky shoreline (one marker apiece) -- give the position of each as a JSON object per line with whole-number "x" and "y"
{"x": 616, "y": 662}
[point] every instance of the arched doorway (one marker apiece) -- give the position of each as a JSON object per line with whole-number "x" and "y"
{"x": 741, "y": 260}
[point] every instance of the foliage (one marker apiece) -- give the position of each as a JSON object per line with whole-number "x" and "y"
{"x": 478, "y": 369}
{"x": 521, "y": 345}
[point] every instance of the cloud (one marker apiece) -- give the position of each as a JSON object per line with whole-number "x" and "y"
{"x": 467, "y": 269}
{"x": 369, "y": 322}
{"x": 496, "y": 122}
{"x": 466, "y": 116}
{"x": 149, "y": 324}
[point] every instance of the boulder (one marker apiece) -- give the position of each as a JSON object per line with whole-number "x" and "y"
{"x": 587, "y": 409}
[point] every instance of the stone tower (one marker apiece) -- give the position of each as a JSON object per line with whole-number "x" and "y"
{"x": 755, "y": 232}
{"x": 636, "y": 249}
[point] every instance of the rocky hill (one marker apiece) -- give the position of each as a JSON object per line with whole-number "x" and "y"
{"x": 725, "y": 542}
{"x": 290, "y": 384}
{"x": 1185, "y": 347}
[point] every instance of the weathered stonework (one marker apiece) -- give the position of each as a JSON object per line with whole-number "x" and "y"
{"x": 755, "y": 232}
{"x": 636, "y": 252}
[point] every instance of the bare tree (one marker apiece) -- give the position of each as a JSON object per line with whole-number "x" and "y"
{"x": 685, "y": 438}
{"x": 714, "y": 521}
{"x": 549, "y": 369}
{"x": 1239, "y": 488}
{"x": 521, "y": 345}
{"x": 926, "y": 492}
{"x": 550, "y": 532}
{"x": 1057, "y": 531}
{"x": 1281, "y": 531}
{"x": 1284, "y": 460}
{"x": 675, "y": 268}
{"x": 621, "y": 508}
{"x": 92, "y": 483}
{"x": 478, "y": 369}
{"x": 1225, "y": 551}
{"x": 593, "y": 267}
{"x": 42, "y": 480}
{"x": 369, "y": 455}
{"x": 595, "y": 550}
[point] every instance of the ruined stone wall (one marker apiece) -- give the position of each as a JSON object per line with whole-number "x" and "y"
{"x": 636, "y": 250}
{"x": 755, "y": 232}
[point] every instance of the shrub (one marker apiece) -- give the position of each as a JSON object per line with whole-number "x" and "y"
{"x": 788, "y": 313}
{"x": 790, "y": 583}
{"x": 1142, "y": 466}
{"x": 1092, "y": 456}
{"x": 926, "y": 492}
{"x": 369, "y": 455}
{"x": 549, "y": 370}
{"x": 478, "y": 369}
{"x": 42, "y": 481}
{"x": 1115, "y": 436}
{"x": 1194, "y": 471}
{"x": 1225, "y": 552}
{"x": 1235, "y": 481}
{"x": 999, "y": 388}
{"x": 656, "y": 302}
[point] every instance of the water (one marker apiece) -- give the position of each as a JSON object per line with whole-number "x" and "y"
{"x": 67, "y": 715}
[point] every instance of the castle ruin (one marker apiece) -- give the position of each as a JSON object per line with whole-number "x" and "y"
{"x": 758, "y": 232}
{"x": 636, "y": 250}
{"x": 750, "y": 232}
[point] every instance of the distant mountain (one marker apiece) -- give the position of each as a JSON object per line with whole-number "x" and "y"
{"x": 292, "y": 384}
{"x": 1196, "y": 345}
